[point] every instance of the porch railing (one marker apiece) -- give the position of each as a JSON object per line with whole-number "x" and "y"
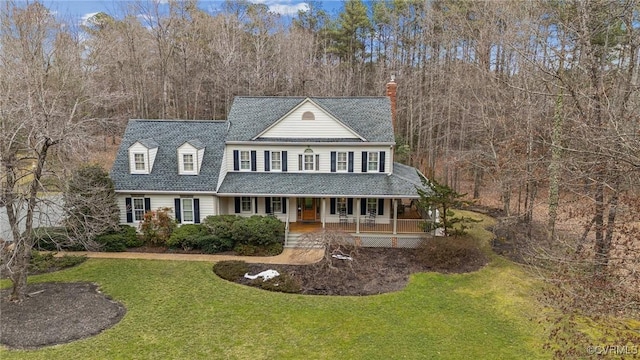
{"x": 404, "y": 226}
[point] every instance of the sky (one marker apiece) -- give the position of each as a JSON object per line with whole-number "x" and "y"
{"x": 77, "y": 11}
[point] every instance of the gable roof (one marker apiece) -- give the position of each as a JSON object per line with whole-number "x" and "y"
{"x": 171, "y": 134}
{"x": 369, "y": 117}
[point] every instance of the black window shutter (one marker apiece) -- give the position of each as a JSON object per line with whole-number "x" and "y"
{"x": 350, "y": 161}
{"x": 382, "y": 153}
{"x": 237, "y": 205}
{"x": 363, "y": 206}
{"x": 177, "y": 203}
{"x": 284, "y": 205}
{"x": 267, "y": 205}
{"x": 364, "y": 161}
{"x": 350, "y": 206}
{"x": 255, "y": 205}
{"x": 254, "y": 166}
{"x": 129, "y": 207}
{"x": 333, "y": 161}
{"x": 380, "y": 207}
{"x": 147, "y": 204}
{"x": 266, "y": 160}
{"x": 317, "y": 162}
{"x": 300, "y": 162}
{"x": 236, "y": 160}
{"x": 284, "y": 161}
{"x": 196, "y": 211}
{"x": 332, "y": 206}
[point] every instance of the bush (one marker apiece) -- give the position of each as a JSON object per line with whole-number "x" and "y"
{"x": 111, "y": 242}
{"x": 157, "y": 226}
{"x": 231, "y": 270}
{"x": 256, "y": 250}
{"x": 451, "y": 253}
{"x": 54, "y": 239}
{"x": 124, "y": 238}
{"x": 211, "y": 244}
{"x": 221, "y": 225}
{"x": 258, "y": 231}
{"x": 41, "y": 263}
{"x": 187, "y": 236}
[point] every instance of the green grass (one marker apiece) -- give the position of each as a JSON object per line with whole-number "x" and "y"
{"x": 181, "y": 310}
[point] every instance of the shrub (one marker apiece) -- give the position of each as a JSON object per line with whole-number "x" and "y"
{"x": 124, "y": 238}
{"x": 258, "y": 250}
{"x": 157, "y": 226}
{"x": 211, "y": 244}
{"x": 111, "y": 242}
{"x": 258, "y": 231}
{"x": 221, "y": 225}
{"x": 450, "y": 253}
{"x": 187, "y": 236}
{"x": 230, "y": 270}
{"x": 53, "y": 239}
{"x": 41, "y": 263}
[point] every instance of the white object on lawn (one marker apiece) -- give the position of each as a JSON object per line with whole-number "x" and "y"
{"x": 342, "y": 257}
{"x": 265, "y": 275}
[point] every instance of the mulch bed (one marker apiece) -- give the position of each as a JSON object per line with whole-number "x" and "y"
{"x": 56, "y": 313}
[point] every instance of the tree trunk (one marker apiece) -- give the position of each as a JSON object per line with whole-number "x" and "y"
{"x": 554, "y": 169}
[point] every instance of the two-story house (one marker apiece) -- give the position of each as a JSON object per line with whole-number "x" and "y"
{"x": 323, "y": 160}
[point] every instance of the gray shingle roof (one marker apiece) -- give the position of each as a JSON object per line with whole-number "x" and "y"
{"x": 148, "y": 143}
{"x": 196, "y": 143}
{"x": 370, "y": 117}
{"x": 171, "y": 134}
{"x": 337, "y": 184}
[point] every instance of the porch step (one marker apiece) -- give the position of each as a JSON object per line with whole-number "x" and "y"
{"x": 293, "y": 241}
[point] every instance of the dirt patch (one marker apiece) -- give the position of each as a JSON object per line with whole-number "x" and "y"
{"x": 372, "y": 271}
{"x": 56, "y": 313}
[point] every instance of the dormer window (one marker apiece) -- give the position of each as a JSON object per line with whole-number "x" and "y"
{"x": 190, "y": 156}
{"x": 187, "y": 162}
{"x": 308, "y": 115}
{"x": 142, "y": 155}
{"x": 140, "y": 163}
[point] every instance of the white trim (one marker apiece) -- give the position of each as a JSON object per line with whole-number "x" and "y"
{"x": 193, "y": 211}
{"x": 395, "y": 196}
{"x": 305, "y": 143}
{"x": 163, "y": 192}
{"x": 240, "y": 152}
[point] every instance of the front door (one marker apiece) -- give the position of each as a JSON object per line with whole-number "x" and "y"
{"x": 308, "y": 209}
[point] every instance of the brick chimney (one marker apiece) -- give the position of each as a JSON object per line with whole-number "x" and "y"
{"x": 391, "y": 93}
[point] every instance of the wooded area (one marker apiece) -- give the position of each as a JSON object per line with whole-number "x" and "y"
{"x": 535, "y": 100}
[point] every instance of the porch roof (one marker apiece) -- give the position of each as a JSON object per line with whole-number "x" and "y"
{"x": 401, "y": 183}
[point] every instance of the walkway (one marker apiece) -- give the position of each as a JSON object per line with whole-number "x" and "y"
{"x": 290, "y": 256}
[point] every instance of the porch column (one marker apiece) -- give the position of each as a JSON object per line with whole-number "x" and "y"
{"x": 216, "y": 205}
{"x": 323, "y": 209}
{"x": 395, "y": 216}
{"x": 357, "y": 215}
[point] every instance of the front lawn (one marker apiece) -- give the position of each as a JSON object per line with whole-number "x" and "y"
{"x": 181, "y": 310}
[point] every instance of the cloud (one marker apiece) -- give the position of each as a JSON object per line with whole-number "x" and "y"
{"x": 288, "y": 9}
{"x": 86, "y": 18}
{"x": 283, "y": 7}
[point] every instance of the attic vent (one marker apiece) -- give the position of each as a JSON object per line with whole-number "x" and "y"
{"x": 308, "y": 115}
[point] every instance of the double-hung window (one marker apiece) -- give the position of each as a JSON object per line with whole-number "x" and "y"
{"x": 245, "y": 160}
{"x": 309, "y": 164}
{"x": 245, "y": 204}
{"x": 276, "y": 205}
{"x": 276, "y": 160}
{"x": 341, "y": 161}
{"x": 187, "y": 210}
{"x": 187, "y": 162}
{"x": 138, "y": 159}
{"x": 373, "y": 161}
{"x": 138, "y": 209}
